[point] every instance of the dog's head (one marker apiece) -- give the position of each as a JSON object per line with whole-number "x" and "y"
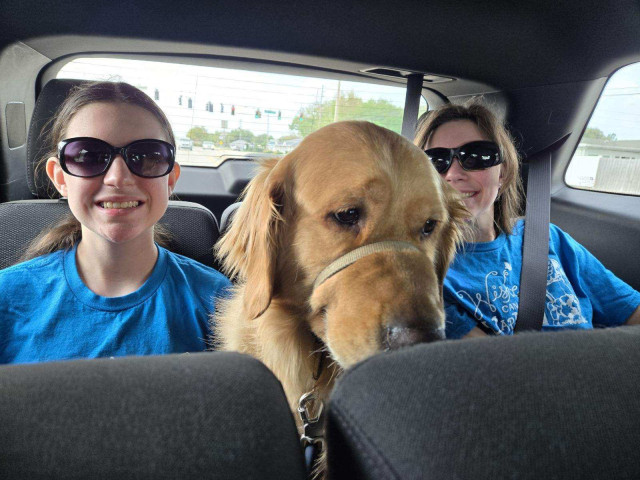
{"x": 349, "y": 185}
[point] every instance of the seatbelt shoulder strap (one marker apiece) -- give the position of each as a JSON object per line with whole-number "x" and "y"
{"x": 535, "y": 249}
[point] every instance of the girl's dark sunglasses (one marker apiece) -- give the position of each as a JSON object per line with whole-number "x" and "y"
{"x": 478, "y": 155}
{"x": 91, "y": 157}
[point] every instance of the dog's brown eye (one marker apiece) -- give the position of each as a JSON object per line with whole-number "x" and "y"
{"x": 428, "y": 227}
{"x": 348, "y": 217}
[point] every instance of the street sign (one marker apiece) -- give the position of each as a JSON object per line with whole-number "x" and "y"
{"x": 270, "y": 111}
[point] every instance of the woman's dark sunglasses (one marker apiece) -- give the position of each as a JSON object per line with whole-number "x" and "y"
{"x": 91, "y": 157}
{"x": 478, "y": 155}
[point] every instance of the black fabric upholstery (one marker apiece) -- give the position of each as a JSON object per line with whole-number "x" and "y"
{"x": 227, "y": 216}
{"x": 208, "y": 415}
{"x": 47, "y": 103}
{"x": 535, "y": 406}
{"x": 193, "y": 228}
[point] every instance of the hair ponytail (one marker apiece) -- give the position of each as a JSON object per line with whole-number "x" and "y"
{"x": 63, "y": 236}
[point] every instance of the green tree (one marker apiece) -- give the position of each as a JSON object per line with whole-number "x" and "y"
{"x": 598, "y": 134}
{"x": 198, "y": 134}
{"x": 214, "y": 137}
{"x": 261, "y": 141}
{"x": 240, "y": 134}
{"x": 350, "y": 107}
{"x": 284, "y": 138}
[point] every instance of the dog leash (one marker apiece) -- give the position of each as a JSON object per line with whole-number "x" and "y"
{"x": 311, "y": 410}
{"x": 310, "y": 407}
{"x": 354, "y": 255}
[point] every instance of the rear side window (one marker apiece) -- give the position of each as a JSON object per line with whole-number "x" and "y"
{"x": 608, "y": 156}
{"x": 219, "y": 112}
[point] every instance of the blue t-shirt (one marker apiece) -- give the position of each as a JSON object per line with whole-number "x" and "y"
{"x": 482, "y": 287}
{"x": 47, "y": 312}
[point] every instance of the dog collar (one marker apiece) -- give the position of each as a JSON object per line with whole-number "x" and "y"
{"x": 354, "y": 255}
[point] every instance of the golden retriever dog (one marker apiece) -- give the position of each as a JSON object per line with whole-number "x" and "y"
{"x": 340, "y": 249}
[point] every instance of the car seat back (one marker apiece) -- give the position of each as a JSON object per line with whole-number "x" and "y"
{"x": 206, "y": 415}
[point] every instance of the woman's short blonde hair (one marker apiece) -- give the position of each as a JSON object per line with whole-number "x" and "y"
{"x": 508, "y": 204}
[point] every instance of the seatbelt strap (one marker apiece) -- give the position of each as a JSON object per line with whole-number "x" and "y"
{"x": 535, "y": 249}
{"x": 412, "y": 105}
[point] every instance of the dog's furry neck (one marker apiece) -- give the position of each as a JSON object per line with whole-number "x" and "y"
{"x": 282, "y": 340}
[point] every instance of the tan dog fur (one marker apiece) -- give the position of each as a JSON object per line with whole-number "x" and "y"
{"x": 284, "y": 234}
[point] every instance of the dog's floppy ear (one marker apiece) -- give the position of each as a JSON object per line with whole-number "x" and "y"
{"x": 454, "y": 231}
{"x": 248, "y": 248}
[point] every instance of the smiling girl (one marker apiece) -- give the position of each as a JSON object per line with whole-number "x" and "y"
{"x": 100, "y": 285}
{"x": 473, "y": 152}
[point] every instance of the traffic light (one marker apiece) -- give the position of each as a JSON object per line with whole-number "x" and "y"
{"x": 279, "y": 115}
{"x": 258, "y": 113}
{"x": 300, "y": 116}
{"x": 233, "y": 109}
{"x": 221, "y": 108}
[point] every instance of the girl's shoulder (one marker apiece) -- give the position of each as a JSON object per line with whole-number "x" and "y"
{"x": 32, "y": 272}
{"x": 50, "y": 260}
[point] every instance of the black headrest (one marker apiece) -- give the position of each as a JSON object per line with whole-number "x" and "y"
{"x": 205, "y": 415}
{"x": 539, "y": 405}
{"x": 47, "y": 103}
{"x": 227, "y": 216}
{"x": 192, "y": 227}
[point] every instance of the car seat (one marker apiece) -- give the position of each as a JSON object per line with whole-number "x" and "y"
{"x": 193, "y": 228}
{"x": 206, "y": 415}
{"x": 535, "y": 405}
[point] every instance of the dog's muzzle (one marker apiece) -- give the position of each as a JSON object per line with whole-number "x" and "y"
{"x": 354, "y": 255}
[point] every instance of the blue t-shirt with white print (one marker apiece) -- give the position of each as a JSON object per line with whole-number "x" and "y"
{"x": 482, "y": 287}
{"x": 47, "y": 313}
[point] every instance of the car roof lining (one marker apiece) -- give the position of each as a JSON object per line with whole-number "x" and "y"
{"x": 501, "y": 43}
{"x": 57, "y": 47}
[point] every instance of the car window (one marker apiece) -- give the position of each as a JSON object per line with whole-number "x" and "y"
{"x": 217, "y": 112}
{"x": 608, "y": 156}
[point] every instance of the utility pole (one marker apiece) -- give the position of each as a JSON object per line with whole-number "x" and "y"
{"x": 337, "y": 108}
{"x": 321, "y": 100}
{"x": 268, "y": 113}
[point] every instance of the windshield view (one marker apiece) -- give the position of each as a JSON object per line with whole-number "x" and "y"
{"x": 217, "y": 113}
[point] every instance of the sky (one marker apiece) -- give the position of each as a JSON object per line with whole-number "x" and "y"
{"x": 618, "y": 110}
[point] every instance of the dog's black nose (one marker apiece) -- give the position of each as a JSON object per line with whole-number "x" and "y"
{"x": 396, "y": 337}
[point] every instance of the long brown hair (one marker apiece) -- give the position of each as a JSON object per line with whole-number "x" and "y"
{"x": 68, "y": 232}
{"x": 508, "y": 205}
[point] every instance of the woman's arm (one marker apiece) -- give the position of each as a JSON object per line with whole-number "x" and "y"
{"x": 634, "y": 318}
